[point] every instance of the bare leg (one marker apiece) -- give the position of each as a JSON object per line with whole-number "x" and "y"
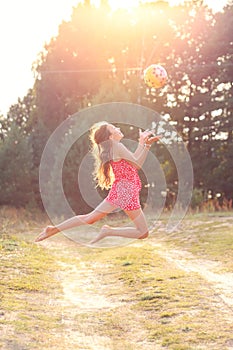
{"x": 101, "y": 210}
{"x": 139, "y": 232}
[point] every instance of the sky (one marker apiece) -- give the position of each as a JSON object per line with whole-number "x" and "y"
{"x": 25, "y": 27}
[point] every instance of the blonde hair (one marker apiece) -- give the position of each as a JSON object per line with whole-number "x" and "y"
{"x": 102, "y": 153}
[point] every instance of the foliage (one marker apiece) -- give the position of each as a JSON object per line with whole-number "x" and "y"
{"x": 197, "y": 198}
{"x": 15, "y": 169}
{"x": 22, "y": 114}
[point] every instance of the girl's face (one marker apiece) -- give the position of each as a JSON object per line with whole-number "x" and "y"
{"x": 116, "y": 133}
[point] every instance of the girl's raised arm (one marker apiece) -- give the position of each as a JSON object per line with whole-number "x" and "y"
{"x": 135, "y": 160}
{"x": 139, "y": 156}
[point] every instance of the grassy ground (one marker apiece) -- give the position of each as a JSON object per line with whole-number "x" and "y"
{"x": 58, "y": 294}
{"x": 27, "y": 285}
{"x": 206, "y": 235}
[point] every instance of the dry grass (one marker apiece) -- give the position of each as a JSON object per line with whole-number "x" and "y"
{"x": 64, "y": 296}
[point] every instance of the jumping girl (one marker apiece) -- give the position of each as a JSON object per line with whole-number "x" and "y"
{"x": 116, "y": 168}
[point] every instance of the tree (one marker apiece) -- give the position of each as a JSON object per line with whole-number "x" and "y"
{"x": 22, "y": 113}
{"x": 15, "y": 169}
{"x": 189, "y": 40}
{"x": 74, "y": 65}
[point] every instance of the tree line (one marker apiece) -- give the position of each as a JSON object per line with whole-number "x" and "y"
{"x": 98, "y": 56}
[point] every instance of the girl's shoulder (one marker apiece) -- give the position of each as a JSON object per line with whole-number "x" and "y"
{"x": 116, "y": 156}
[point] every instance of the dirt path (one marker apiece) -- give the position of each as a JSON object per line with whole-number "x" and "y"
{"x": 84, "y": 293}
{"x": 221, "y": 283}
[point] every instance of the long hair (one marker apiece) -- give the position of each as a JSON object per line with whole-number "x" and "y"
{"x": 102, "y": 152}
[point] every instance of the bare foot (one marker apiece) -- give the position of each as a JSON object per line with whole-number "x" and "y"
{"x": 104, "y": 232}
{"x": 48, "y": 232}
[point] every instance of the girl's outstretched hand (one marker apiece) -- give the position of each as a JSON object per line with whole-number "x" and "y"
{"x": 152, "y": 139}
{"x": 148, "y": 137}
{"x": 144, "y": 135}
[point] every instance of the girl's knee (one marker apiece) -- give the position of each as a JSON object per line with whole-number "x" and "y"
{"x": 145, "y": 235}
{"x": 93, "y": 216}
{"x": 86, "y": 219}
{"x": 90, "y": 219}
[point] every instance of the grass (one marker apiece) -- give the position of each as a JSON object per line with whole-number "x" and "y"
{"x": 150, "y": 302}
{"x": 209, "y": 236}
{"x": 27, "y": 285}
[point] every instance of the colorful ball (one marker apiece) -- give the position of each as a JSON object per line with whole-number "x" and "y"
{"x": 155, "y": 76}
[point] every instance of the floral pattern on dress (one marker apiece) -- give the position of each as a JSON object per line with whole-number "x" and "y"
{"x": 125, "y": 189}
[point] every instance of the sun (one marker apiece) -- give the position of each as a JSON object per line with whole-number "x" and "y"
{"x": 115, "y": 4}
{"x": 129, "y": 4}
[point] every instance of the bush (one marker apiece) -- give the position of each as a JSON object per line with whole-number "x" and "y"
{"x": 197, "y": 198}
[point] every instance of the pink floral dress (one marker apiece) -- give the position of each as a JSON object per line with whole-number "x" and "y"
{"x": 125, "y": 189}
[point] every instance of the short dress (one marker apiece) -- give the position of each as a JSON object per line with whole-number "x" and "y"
{"x": 124, "y": 192}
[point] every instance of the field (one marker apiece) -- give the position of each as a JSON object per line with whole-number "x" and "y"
{"x": 171, "y": 291}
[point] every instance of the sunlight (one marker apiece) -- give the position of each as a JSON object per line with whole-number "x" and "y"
{"x": 116, "y": 4}
{"x": 129, "y": 4}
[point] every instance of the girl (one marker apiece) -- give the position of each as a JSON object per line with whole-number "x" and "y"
{"x": 115, "y": 168}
